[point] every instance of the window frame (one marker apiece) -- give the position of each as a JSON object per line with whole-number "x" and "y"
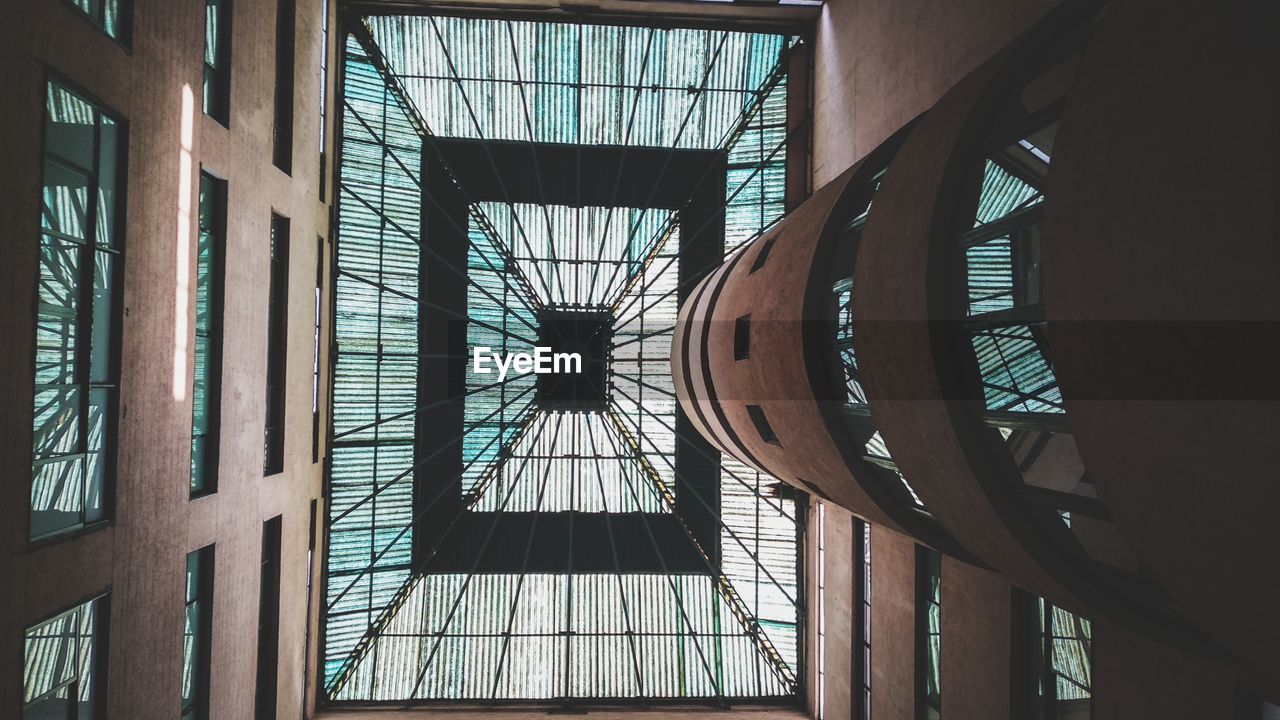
{"x": 83, "y": 331}
{"x": 928, "y": 595}
{"x": 100, "y": 605}
{"x": 196, "y": 707}
{"x": 282, "y": 119}
{"x": 124, "y": 19}
{"x": 220, "y": 108}
{"x": 277, "y": 346}
{"x": 213, "y": 334}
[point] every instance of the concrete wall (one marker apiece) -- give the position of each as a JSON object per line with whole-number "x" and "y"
{"x": 976, "y": 642}
{"x": 155, "y": 85}
{"x": 842, "y": 686}
{"x": 879, "y": 63}
{"x": 893, "y": 617}
{"x": 1134, "y": 677}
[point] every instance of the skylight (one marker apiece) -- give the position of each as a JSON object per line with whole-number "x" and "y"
{"x": 512, "y": 184}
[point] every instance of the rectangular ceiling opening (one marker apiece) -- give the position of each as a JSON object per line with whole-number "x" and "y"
{"x": 563, "y": 539}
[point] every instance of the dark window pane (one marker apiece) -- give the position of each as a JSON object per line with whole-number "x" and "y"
{"x": 207, "y": 381}
{"x": 109, "y": 16}
{"x": 282, "y": 128}
{"x": 277, "y": 329}
{"x": 217, "y": 59}
{"x": 197, "y": 634}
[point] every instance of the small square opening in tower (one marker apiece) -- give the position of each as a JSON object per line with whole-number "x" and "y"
{"x": 584, "y": 333}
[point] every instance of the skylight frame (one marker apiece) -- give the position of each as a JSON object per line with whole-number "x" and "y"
{"x": 481, "y": 225}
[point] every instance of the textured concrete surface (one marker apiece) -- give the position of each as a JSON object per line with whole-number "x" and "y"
{"x": 1161, "y": 286}
{"x": 155, "y": 85}
{"x": 879, "y": 63}
{"x": 976, "y": 642}
{"x": 893, "y": 630}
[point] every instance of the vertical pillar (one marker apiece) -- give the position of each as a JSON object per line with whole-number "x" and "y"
{"x": 799, "y": 125}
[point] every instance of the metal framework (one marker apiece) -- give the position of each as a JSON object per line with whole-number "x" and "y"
{"x": 530, "y": 552}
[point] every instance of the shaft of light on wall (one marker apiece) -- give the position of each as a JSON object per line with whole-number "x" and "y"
{"x": 182, "y": 273}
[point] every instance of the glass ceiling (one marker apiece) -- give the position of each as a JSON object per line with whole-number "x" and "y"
{"x": 694, "y": 587}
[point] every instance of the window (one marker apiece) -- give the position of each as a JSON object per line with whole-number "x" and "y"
{"x": 64, "y": 664}
{"x": 998, "y": 253}
{"x": 268, "y": 622}
{"x": 109, "y": 16}
{"x": 1054, "y": 675}
{"x": 862, "y": 620}
{"x": 315, "y": 355}
{"x": 822, "y": 612}
{"x": 282, "y": 127}
{"x": 207, "y": 385}
{"x": 324, "y": 91}
{"x": 217, "y": 59}
{"x": 928, "y": 634}
{"x": 277, "y": 333}
{"x": 763, "y": 255}
{"x": 762, "y": 424}
{"x": 77, "y": 316}
{"x": 312, "y": 526}
{"x": 197, "y": 634}
{"x": 742, "y": 338}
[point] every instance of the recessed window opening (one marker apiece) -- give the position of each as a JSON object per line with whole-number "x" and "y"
{"x": 197, "y": 634}
{"x": 1053, "y": 675}
{"x": 64, "y": 664}
{"x": 822, "y": 611}
{"x": 78, "y": 316}
{"x": 112, "y": 17}
{"x": 315, "y": 353}
{"x": 266, "y": 689}
{"x": 928, "y": 634}
{"x": 206, "y": 402}
{"x": 282, "y": 117}
{"x": 862, "y": 620}
{"x": 761, "y": 422}
{"x": 277, "y": 337}
{"x": 763, "y": 255}
{"x": 742, "y": 338}
{"x": 217, "y": 60}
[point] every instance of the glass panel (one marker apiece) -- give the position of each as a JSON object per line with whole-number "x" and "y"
{"x": 108, "y": 176}
{"x": 57, "y": 421}
{"x": 69, "y": 128}
{"x": 66, "y": 199}
{"x": 50, "y": 662}
{"x": 94, "y": 509}
{"x": 1016, "y": 373}
{"x": 58, "y": 666}
{"x": 206, "y": 384}
{"x": 674, "y": 635}
{"x": 1071, "y": 663}
{"x": 105, "y": 14}
{"x": 104, "y": 295}
{"x": 1002, "y": 194}
{"x": 200, "y": 399}
{"x": 56, "y": 496}
{"x": 211, "y": 30}
{"x": 194, "y": 639}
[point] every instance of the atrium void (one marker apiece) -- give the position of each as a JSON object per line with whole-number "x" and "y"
{"x": 566, "y": 537}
